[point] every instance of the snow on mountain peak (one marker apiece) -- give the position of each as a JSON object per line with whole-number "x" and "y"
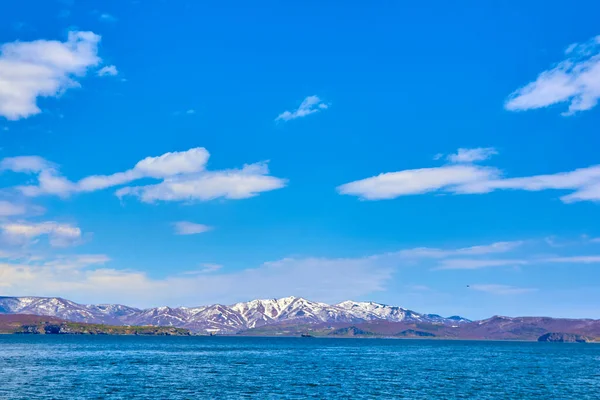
{"x": 217, "y": 317}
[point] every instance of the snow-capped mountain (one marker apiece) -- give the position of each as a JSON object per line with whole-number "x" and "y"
{"x": 370, "y": 311}
{"x": 65, "y": 309}
{"x": 263, "y": 312}
{"x": 220, "y": 318}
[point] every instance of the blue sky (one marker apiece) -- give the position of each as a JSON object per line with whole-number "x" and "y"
{"x": 156, "y": 153}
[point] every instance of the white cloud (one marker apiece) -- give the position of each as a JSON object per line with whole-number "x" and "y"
{"x": 417, "y": 181}
{"x": 25, "y": 164}
{"x": 75, "y": 261}
{"x": 574, "y": 259}
{"x": 59, "y": 235}
{"x": 309, "y": 105}
{"x": 575, "y": 81}
{"x": 51, "y": 182}
{"x": 464, "y": 258}
{"x": 339, "y": 279}
{"x": 175, "y": 163}
{"x": 584, "y": 183}
{"x": 109, "y": 70}
{"x": 182, "y": 174}
{"x": 105, "y": 17}
{"x": 42, "y": 68}
{"x": 190, "y": 228}
{"x": 206, "y": 269}
{"x": 247, "y": 182}
{"x": 501, "y": 289}
{"x": 86, "y": 278}
{"x": 505, "y": 254}
{"x": 428, "y": 252}
{"x": 472, "y": 155}
{"x": 8, "y": 209}
{"x": 466, "y": 263}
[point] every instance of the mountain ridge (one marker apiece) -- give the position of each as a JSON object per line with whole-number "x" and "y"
{"x": 218, "y": 318}
{"x": 296, "y": 316}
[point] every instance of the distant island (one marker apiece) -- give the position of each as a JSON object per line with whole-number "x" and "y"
{"x": 289, "y": 316}
{"x": 40, "y": 325}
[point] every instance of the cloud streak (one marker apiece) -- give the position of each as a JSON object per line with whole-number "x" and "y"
{"x": 182, "y": 174}
{"x": 504, "y": 290}
{"x": 493, "y": 248}
{"x": 462, "y": 263}
{"x": 575, "y": 81}
{"x": 8, "y": 209}
{"x": 59, "y": 234}
{"x": 233, "y": 184}
{"x": 89, "y": 277}
{"x": 583, "y": 183}
{"x": 309, "y": 105}
{"x": 471, "y": 155}
{"x": 89, "y": 281}
{"x": 190, "y": 228}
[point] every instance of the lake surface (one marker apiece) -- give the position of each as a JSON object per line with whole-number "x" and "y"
{"x": 97, "y": 367}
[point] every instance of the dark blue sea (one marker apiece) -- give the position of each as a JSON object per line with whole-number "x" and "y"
{"x": 119, "y": 367}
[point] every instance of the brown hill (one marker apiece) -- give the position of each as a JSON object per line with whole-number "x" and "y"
{"x": 41, "y": 325}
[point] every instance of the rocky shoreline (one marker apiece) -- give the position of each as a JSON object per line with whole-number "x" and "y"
{"x": 39, "y": 325}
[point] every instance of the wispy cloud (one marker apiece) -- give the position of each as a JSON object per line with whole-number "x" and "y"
{"x": 472, "y": 155}
{"x": 25, "y": 164}
{"x": 235, "y": 184}
{"x": 428, "y": 252}
{"x": 206, "y": 269}
{"x": 59, "y": 234}
{"x": 182, "y": 174}
{"x": 189, "y": 111}
{"x": 89, "y": 278}
{"x": 583, "y": 183}
{"x": 465, "y": 263}
{"x": 309, "y": 105}
{"x": 339, "y": 279}
{"x": 573, "y": 81}
{"x": 574, "y": 259}
{"x": 501, "y": 289}
{"x": 190, "y": 228}
{"x": 109, "y": 70}
{"x": 42, "y": 68}
{"x": 389, "y": 185}
{"x": 106, "y": 17}
{"x": 466, "y": 258}
{"x": 8, "y": 209}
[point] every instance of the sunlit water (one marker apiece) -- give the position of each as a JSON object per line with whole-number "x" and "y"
{"x": 97, "y": 367}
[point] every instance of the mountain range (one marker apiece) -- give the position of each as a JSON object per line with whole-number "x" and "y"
{"x": 295, "y": 316}
{"x": 221, "y": 318}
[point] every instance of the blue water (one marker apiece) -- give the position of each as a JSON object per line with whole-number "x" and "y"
{"x": 98, "y": 367}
